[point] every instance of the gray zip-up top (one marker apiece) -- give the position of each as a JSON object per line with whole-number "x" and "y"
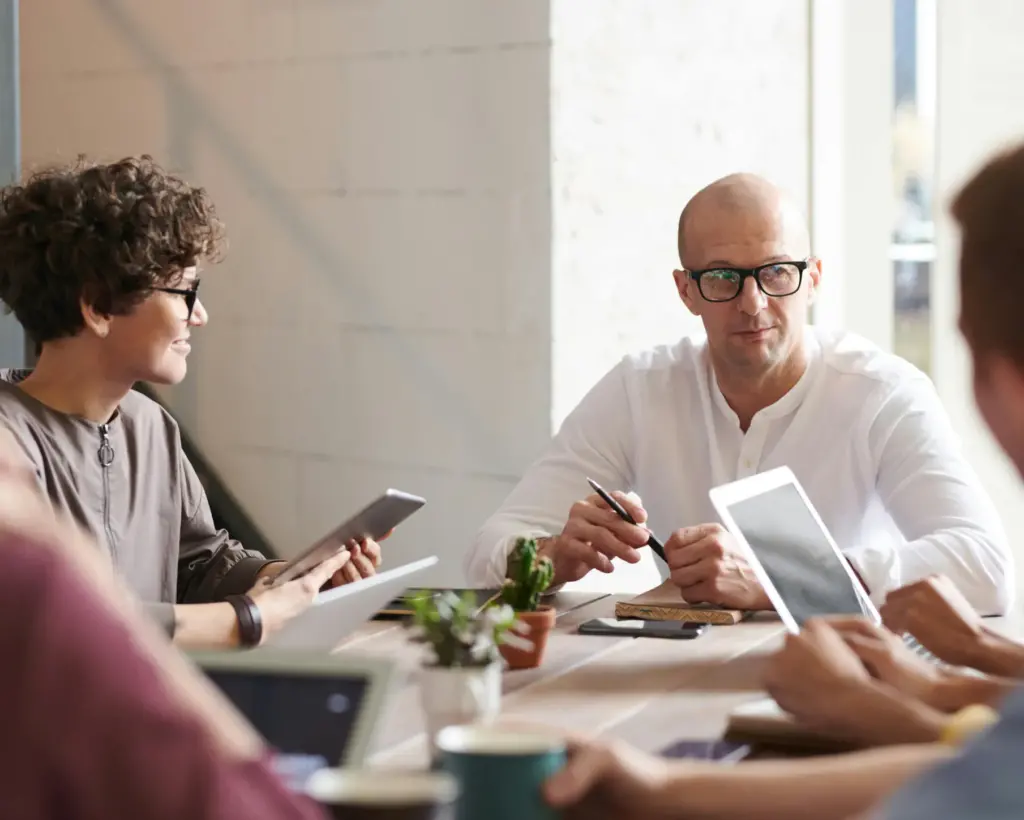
{"x": 129, "y": 483}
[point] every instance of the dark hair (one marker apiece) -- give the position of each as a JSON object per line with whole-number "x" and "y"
{"x": 990, "y": 210}
{"x": 105, "y": 234}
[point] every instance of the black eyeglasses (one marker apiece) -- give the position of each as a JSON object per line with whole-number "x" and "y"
{"x": 774, "y": 279}
{"x": 190, "y": 294}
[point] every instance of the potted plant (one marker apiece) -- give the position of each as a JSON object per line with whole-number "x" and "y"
{"x": 461, "y": 682}
{"x": 528, "y": 577}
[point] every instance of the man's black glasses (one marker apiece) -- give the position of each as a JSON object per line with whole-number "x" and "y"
{"x": 190, "y": 294}
{"x": 774, "y": 279}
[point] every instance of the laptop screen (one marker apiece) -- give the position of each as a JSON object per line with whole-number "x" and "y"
{"x": 796, "y": 555}
{"x": 309, "y": 720}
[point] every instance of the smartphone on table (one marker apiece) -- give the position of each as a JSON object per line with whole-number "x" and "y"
{"x": 680, "y": 630}
{"x": 721, "y": 751}
{"x": 375, "y": 521}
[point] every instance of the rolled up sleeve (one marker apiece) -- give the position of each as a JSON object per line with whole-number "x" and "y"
{"x": 211, "y": 564}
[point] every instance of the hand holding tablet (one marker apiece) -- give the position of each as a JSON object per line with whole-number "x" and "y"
{"x": 377, "y": 520}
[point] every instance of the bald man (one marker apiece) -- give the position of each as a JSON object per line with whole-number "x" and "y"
{"x": 862, "y": 429}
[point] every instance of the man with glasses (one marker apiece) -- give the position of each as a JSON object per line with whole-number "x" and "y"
{"x": 100, "y": 265}
{"x": 863, "y": 430}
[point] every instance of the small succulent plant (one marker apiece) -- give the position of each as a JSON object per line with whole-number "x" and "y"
{"x": 459, "y": 630}
{"x": 528, "y": 577}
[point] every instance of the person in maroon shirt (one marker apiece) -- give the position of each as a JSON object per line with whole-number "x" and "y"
{"x": 103, "y": 718}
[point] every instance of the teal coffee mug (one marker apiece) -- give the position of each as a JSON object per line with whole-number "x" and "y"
{"x": 500, "y": 771}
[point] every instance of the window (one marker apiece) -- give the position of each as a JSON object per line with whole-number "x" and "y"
{"x": 913, "y": 239}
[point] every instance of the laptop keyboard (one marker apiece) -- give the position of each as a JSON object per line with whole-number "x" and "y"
{"x": 919, "y": 649}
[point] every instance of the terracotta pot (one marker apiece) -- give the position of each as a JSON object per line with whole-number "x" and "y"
{"x": 540, "y": 622}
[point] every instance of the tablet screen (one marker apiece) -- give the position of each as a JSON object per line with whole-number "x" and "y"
{"x": 796, "y": 554}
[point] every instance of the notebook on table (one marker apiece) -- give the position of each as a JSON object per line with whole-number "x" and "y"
{"x": 665, "y": 603}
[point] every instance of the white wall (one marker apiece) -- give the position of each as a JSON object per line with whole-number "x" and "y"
{"x": 383, "y": 168}
{"x": 980, "y": 109}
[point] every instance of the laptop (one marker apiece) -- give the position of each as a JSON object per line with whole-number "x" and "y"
{"x": 338, "y": 612}
{"x": 315, "y": 710}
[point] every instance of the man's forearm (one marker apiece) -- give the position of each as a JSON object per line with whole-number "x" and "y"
{"x": 872, "y": 715}
{"x": 887, "y": 717}
{"x": 828, "y": 787}
{"x": 956, "y": 690}
{"x": 205, "y": 626}
{"x": 999, "y": 655}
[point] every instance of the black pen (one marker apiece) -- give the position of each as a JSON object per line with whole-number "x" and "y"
{"x": 652, "y": 541}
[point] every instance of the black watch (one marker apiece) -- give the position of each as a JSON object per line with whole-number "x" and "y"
{"x": 250, "y": 622}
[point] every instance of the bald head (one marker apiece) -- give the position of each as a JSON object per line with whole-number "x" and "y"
{"x": 740, "y": 203}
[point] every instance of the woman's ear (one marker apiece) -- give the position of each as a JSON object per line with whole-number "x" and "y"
{"x": 95, "y": 322}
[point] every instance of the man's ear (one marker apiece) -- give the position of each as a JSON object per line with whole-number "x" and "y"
{"x": 814, "y": 279}
{"x": 95, "y": 322}
{"x": 688, "y": 291}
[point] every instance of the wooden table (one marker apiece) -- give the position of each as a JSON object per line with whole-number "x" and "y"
{"x": 649, "y": 691}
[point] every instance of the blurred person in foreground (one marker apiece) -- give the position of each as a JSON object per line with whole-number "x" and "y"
{"x": 104, "y": 718}
{"x": 905, "y": 782}
{"x": 101, "y": 265}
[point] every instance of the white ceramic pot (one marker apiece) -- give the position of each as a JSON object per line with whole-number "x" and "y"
{"x": 457, "y": 696}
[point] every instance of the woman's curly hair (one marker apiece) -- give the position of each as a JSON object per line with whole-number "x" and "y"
{"x": 103, "y": 234}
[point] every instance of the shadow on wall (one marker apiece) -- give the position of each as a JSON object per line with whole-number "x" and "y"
{"x": 431, "y": 381}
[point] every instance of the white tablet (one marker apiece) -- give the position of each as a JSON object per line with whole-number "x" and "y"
{"x": 339, "y": 612}
{"x": 796, "y": 560}
{"x": 314, "y": 710}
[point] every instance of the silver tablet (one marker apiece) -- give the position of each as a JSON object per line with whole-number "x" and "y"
{"x": 375, "y": 521}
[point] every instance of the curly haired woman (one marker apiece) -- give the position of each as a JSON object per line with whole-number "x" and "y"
{"x": 100, "y": 264}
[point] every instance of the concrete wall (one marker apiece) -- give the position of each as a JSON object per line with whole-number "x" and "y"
{"x": 382, "y": 165}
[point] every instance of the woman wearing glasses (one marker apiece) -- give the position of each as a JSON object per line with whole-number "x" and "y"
{"x": 100, "y": 265}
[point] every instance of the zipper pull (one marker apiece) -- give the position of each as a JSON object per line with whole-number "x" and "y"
{"x": 106, "y": 451}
